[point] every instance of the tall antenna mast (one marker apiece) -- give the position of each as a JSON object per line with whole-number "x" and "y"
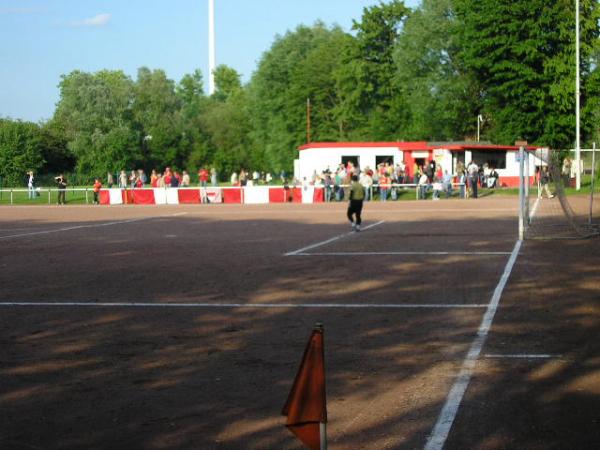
{"x": 211, "y": 47}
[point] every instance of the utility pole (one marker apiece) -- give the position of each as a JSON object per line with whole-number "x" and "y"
{"x": 211, "y": 47}
{"x": 308, "y": 120}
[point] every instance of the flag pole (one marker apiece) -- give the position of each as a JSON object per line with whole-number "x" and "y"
{"x": 322, "y": 425}
{"x": 323, "y": 431}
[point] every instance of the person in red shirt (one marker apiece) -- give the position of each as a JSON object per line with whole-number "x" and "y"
{"x": 167, "y": 177}
{"x": 97, "y": 187}
{"x": 203, "y": 177}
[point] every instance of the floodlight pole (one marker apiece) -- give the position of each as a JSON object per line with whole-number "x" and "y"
{"x": 592, "y": 183}
{"x": 479, "y": 121}
{"x": 211, "y": 47}
{"x": 577, "y": 101}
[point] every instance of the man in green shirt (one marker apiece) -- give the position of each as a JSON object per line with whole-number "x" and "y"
{"x": 357, "y": 195}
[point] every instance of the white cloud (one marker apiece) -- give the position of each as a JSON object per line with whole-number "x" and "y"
{"x": 99, "y": 20}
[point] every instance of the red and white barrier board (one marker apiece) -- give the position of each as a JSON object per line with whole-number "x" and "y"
{"x": 242, "y": 195}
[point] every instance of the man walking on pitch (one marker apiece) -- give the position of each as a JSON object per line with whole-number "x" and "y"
{"x": 356, "y": 195}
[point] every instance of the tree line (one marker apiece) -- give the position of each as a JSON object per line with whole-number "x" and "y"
{"x": 399, "y": 75}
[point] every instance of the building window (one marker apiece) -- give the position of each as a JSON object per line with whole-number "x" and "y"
{"x": 355, "y": 160}
{"x": 381, "y": 159}
{"x": 495, "y": 159}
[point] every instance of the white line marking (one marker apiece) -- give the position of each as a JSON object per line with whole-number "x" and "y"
{"x": 95, "y": 225}
{"x": 399, "y": 253}
{"x": 524, "y": 356}
{"x": 240, "y": 305}
{"x": 438, "y": 437}
{"x": 333, "y": 239}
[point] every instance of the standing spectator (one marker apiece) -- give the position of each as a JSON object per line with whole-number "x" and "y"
{"x": 328, "y": 187}
{"x": 356, "y": 196}
{"x": 123, "y": 180}
{"x": 154, "y": 179}
{"x": 168, "y": 176}
{"x": 268, "y": 178}
{"x": 97, "y": 187}
{"x": 493, "y": 178}
{"x": 243, "y": 178}
{"x": 203, "y": 177}
{"x": 160, "y": 181}
{"x": 462, "y": 180}
{"x": 234, "y": 179}
{"x": 142, "y": 177}
{"x": 61, "y": 181}
{"x": 109, "y": 180}
{"x": 255, "y": 178}
{"x": 185, "y": 179}
{"x": 544, "y": 181}
{"x": 30, "y": 185}
{"x": 133, "y": 179}
{"x": 473, "y": 172}
{"x": 422, "y": 186}
{"x": 416, "y": 173}
{"x": 213, "y": 177}
{"x": 367, "y": 183}
{"x": 431, "y": 171}
{"x": 383, "y": 186}
{"x": 447, "y": 183}
{"x": 174, "y": 181}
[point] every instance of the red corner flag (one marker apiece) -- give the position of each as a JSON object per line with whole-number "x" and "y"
{"x": 305, "y": 407}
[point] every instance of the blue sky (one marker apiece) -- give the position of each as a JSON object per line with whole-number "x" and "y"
{"x": 43, "y": 39}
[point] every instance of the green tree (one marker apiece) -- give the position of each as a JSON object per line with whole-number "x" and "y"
{"x": 19, "y": 150}
{"x": 94, "y": 111}
{"x": 370, "y": 94}
{"x": 441, "y": 101}
{"x": 227, "y": 82}
{"x": 522, "y": 54}
{"x": 195, "y": 142}
{"x": 298, "y": 66}
{"x": 156, "y": 113}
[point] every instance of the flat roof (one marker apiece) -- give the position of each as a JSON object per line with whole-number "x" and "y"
{"x": 415, "y": 145}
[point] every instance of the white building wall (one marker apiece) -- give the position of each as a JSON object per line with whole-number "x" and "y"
{"x": 318, "y": 159}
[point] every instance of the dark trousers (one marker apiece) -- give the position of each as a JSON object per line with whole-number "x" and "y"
{"x": 474, "y": 186}
{"x": 62, "y": 196}
{"x": 355, "y": 209}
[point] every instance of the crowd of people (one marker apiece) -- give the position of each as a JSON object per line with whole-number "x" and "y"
{"x": 387, "y": 180}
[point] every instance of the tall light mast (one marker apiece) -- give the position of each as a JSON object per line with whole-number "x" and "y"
{"x": 211, "y": 47}
{"x": 577, "y": 101}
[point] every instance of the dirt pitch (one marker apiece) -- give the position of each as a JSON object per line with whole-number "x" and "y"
{"x": 209, "y": 318}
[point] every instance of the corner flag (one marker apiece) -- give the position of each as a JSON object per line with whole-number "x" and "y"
{"x": 305, "y": 407}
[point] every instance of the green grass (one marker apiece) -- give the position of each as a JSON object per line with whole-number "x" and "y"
{"x": 22, "y": 197}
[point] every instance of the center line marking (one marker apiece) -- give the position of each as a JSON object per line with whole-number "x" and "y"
{"x": 328, "y": 241}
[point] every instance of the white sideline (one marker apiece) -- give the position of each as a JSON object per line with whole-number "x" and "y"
{"x": 400, "y": 253}
{"x": 522, "y": 356}
{"x": 438, "y": 437}
{"x": 333, "y": 239}
{"x": 240, "y": 305}
{"x": 95, "y": 225}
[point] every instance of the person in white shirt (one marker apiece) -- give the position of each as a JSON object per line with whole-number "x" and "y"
{"x": 473, "y": 171}
{"x": 30, "y": 186}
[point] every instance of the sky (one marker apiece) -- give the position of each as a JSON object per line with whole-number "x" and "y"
{"x": 40, "y": 40}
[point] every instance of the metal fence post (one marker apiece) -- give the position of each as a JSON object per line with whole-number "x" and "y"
{"x": 521, "y": 193}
